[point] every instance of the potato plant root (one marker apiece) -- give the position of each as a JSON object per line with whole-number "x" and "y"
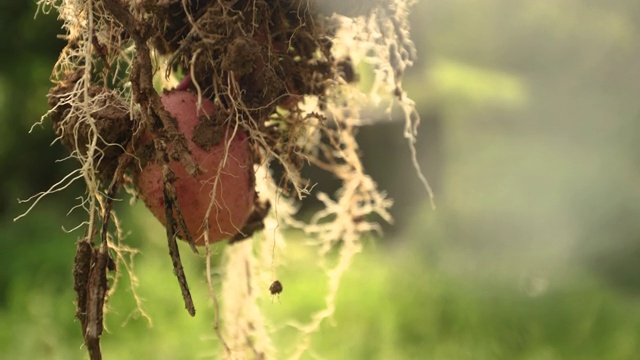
{"x": 255, "y": 83}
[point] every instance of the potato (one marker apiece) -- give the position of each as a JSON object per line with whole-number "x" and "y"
{"x": 234, "y": 194}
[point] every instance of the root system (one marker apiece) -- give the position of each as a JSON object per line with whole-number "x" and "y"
{"x": 285, "y": 72}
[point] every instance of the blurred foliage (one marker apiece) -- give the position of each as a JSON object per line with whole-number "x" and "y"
{"x": 540, "y": 136}
{"x": 28, "y": 50}
{"x": 462, "y": 83}
{"x": 531, "y": 135}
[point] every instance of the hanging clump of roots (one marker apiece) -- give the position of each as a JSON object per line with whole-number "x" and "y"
{"x": 283, "y": 72}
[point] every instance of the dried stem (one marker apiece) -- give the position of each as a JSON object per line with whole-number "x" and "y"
{"x": 170, "y": 205}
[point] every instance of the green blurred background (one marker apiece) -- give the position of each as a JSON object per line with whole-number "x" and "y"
{"x": 530, "y": 137}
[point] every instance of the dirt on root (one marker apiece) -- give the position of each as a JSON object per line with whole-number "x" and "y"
{"x": 209, "y": 131}
{"x": 276, "y": 51}
{"x": 250, "y": 57}
{"x": 113, "y": 123}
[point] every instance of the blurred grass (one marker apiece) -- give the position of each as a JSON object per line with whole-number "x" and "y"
{"x": 393, "y": 304}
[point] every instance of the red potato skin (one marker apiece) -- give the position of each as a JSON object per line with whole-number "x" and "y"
{"x": 235, "y": 193}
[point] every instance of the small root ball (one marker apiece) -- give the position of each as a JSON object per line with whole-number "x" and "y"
{"x": 227, "y": 181}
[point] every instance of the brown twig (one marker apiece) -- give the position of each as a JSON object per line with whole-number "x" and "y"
{"x": 90, "y": 271}
{"x": 142, "y": 86}
{"x": 170, "y": 205}
{"x": 81, "y": 271}
{"x": 153, "y": 112}
{"x": 96, "y": 294}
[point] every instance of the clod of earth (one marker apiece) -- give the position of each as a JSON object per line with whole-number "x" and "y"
{"x": 225, "y": 188}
